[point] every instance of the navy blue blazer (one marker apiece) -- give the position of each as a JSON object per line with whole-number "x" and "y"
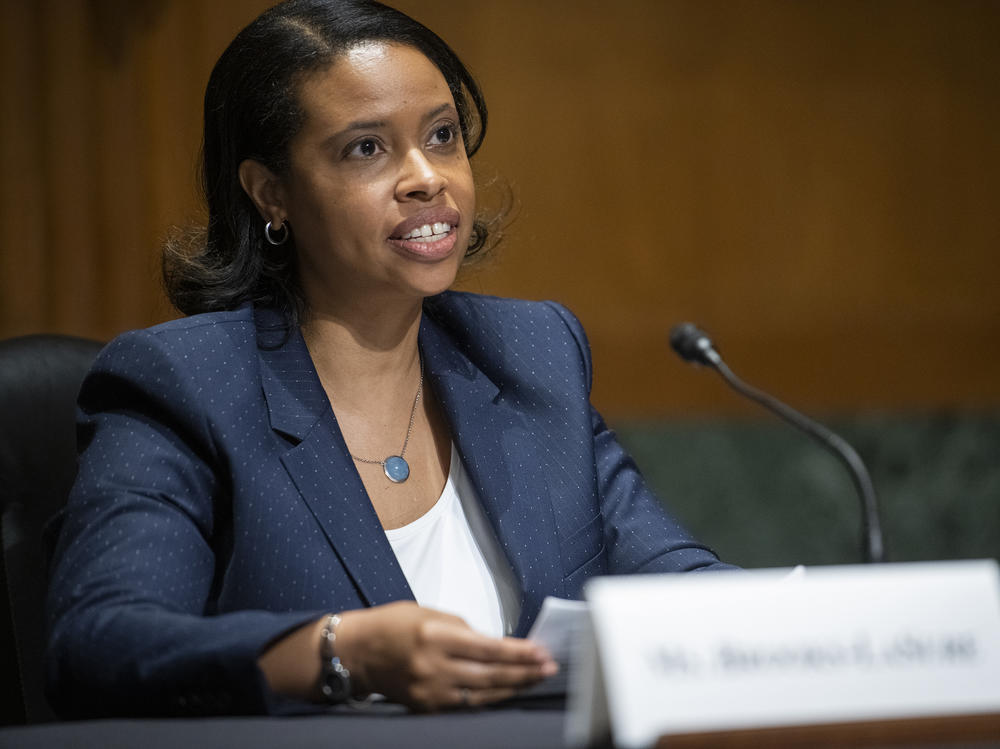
{"x": 217, "y": 507}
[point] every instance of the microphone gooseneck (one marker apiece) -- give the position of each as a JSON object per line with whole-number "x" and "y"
{"x": 694, "y": 346}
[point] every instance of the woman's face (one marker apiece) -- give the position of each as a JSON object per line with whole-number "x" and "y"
{"x": 379, "y": 192}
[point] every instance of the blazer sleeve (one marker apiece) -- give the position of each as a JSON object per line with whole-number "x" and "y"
{"x": 640, "y": 536}
{"x": 131, "y": 629}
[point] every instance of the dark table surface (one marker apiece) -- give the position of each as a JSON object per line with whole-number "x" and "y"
{"x": 531, "y": 725}
{"x": 536, "y": 728}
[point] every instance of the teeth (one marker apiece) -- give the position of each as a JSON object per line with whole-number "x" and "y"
{"x": 435, "y": 230}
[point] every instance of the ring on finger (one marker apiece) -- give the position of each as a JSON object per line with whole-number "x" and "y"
{"x": 464, "y": 696}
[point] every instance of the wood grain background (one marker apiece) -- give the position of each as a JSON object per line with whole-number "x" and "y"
{"x": 814, "y": 182}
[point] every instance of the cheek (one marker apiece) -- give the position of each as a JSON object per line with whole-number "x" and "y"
{"x": 331, "y": 211}
{"x": 306, "y": 203}
{"x": 463, "y": 186}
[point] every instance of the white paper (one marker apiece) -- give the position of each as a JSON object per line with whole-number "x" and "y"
{"x": 556, "y": 628}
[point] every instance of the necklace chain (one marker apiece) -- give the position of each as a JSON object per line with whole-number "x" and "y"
{"x": 409, "y": 428}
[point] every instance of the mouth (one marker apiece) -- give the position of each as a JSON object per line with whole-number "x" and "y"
{"x": 429, "y": 235}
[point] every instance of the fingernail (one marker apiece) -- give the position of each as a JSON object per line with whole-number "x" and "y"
{"x": 550, "y": 668}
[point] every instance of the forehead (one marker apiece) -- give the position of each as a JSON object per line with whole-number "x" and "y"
{"x": 372, "y": 82}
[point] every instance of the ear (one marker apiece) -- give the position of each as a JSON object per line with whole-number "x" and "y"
{"x": 264, "y": 189}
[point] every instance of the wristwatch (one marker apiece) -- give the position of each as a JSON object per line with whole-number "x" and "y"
{"x": 335, "y": 679}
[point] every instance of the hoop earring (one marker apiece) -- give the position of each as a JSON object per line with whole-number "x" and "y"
{"x": 279, "y": 240}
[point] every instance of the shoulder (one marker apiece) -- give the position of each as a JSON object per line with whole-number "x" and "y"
{"x": 176, "y": 363}
{"x": 481, "y": 313}
{"x": 196, "y": 330}
{"x": 501, "y": 334}
{"x": 208, "y": 336}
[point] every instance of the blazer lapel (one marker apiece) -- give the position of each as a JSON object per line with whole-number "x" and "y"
{"x": 501, "y": 457}
{"x": 320, "y": 465}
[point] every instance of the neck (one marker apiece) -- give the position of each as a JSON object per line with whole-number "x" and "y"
{"x": 364, "y": 353}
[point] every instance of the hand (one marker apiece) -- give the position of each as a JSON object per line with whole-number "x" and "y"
{"x": 430, "y": 660}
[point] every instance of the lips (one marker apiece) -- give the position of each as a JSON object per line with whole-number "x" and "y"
{"x": 427, "y": 235}
{"x": 426, "y": 219}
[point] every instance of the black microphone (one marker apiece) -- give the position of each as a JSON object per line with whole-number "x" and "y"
{"x": 694, "y": 346}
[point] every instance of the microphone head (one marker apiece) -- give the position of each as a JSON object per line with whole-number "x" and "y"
{"x": 692, "y": 345}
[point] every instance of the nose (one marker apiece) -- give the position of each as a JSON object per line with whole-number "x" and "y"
{"x": 419, "y": 179}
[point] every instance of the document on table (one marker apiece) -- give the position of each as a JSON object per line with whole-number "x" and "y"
{"x": 556, "y": 629}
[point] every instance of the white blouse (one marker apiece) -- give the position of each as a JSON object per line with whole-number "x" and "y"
{"x": 453, "y": 561}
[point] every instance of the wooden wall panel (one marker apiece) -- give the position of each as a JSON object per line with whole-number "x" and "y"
{"x": 22, "y": 202}
{"x": 815, "y": 182}
{"x": 69, "y": 162}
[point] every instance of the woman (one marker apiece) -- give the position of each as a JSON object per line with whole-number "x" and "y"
{"x": 268, "y": 484}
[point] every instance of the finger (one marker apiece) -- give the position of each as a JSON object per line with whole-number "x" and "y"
{"x": 463, "y": 642}
{"x": 478, "y": 675}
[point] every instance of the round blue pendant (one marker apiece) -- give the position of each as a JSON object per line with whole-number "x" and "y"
{"x": 397, "y": 469}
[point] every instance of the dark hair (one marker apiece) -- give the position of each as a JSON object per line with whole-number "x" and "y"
{"x": 252, "y": 112}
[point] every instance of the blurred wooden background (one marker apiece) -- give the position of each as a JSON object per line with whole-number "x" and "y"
{"x": 815, "y": 182}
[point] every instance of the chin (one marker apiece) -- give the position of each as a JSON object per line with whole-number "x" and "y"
{"x": 428, "y": 290}
{"x": 436, "y": 279}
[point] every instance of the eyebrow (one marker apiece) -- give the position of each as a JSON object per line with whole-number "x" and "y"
{"x": 376, "y": 124}
{"x": 438, "y": 110}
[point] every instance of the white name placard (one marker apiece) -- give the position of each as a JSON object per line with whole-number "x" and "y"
{"x": 715, "y": 651}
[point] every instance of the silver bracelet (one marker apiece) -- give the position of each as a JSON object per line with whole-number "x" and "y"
{"x": 335, "y": 679}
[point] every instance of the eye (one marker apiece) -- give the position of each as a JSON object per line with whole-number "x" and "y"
{"x": 365, "y": 148}
{"x": 444, "y": 134}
